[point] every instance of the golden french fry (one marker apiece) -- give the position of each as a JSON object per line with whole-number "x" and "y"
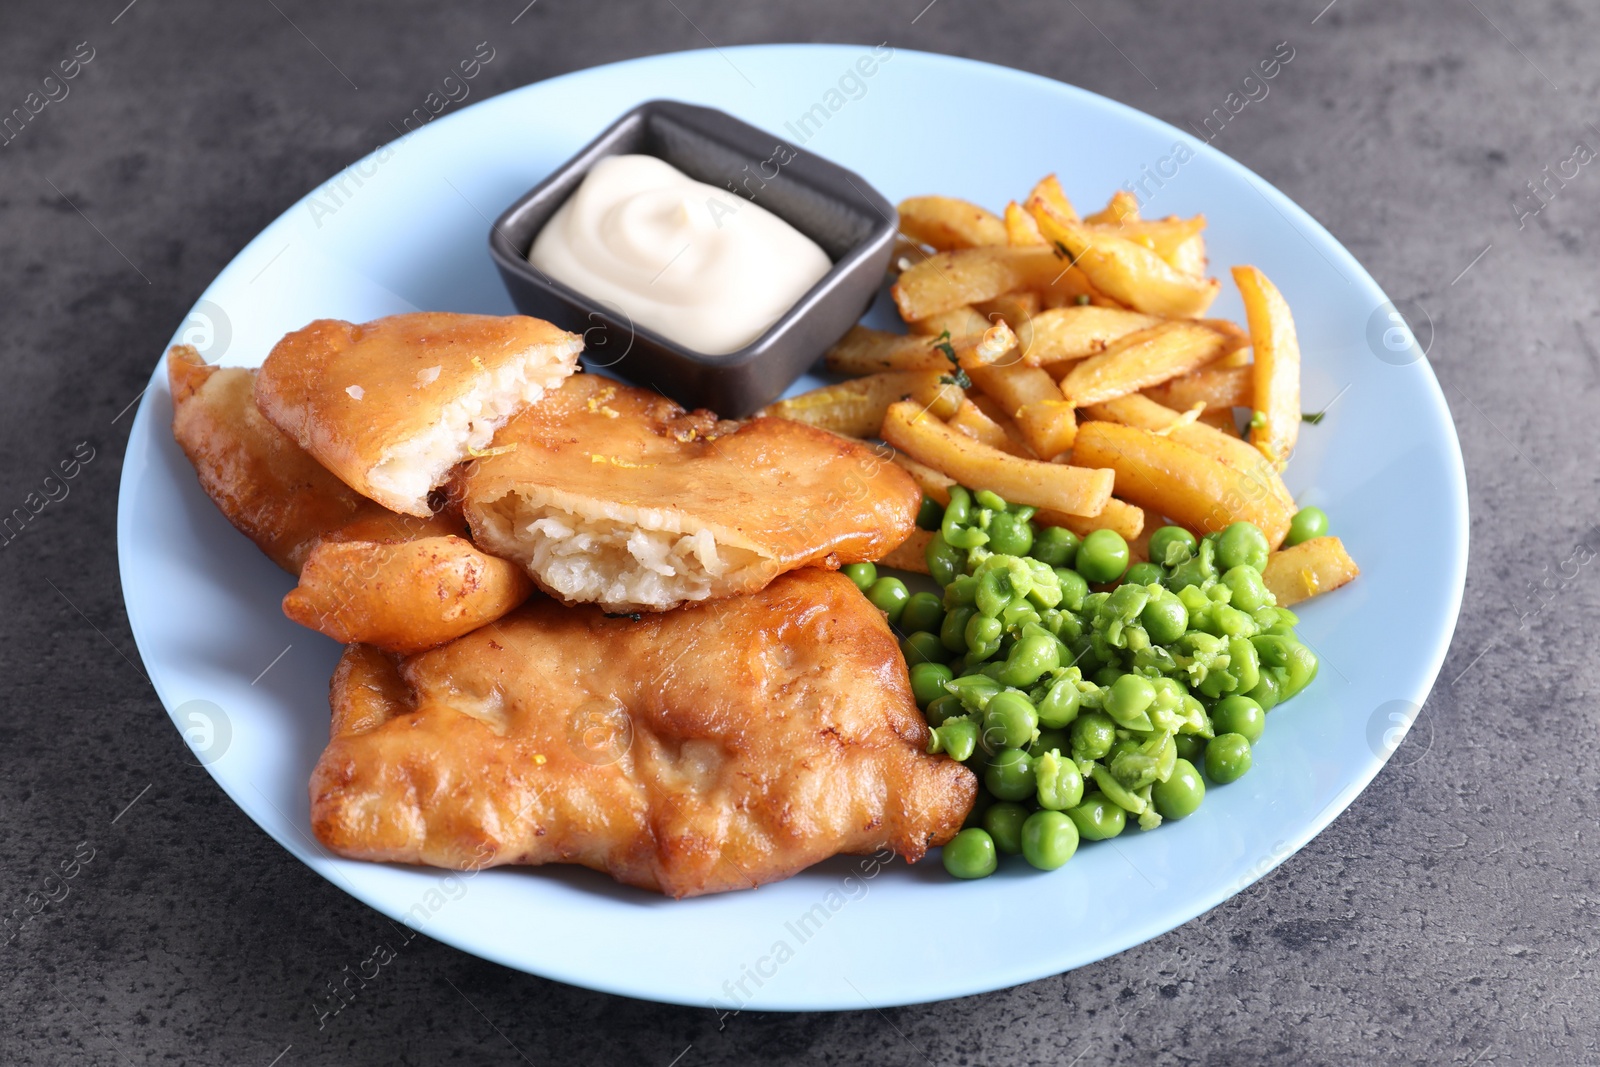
{"x": 1049, "y": 190}
{"x": 1164, "y": 237}
{"x": 1190, "y": 256}
{"x": 963, "y": 321}
{"x": 1057, "y": 335}
{"x": 1140, "y": 411}
{"x": 984, "y": 426}
{"x": 934, "y": 484}
{"x": 1141, "y": 360}
{"x": 855, "y": 408}
{"x": 1127, "y": 272}
{"x": 867, "y": 351}
{"x": 1126, "y": 519}
{"x": 1277, "y": 366}
{"x": 1307, "y": 569}
{"x": 1122, "y": 207}
{"x": 1169, "y": 478}
{"x": 995, "y": 345}
{"x": 1021, "y": 230}
{"x": 1030, "y": 396}
{"x": 1213, "y": 386}
{"x": 1016, "y": 309}
{"x": 1056, "y": 486}
{"x": 947, "y": 280}
{"x": 1219, "y": 419}
{"x": 911, "y": 554}
{"x": 945, "y": 222}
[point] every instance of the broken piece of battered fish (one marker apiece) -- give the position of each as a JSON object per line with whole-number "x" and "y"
{"x": 721, "y": 746}
{"x": 617, "y": 496}
{"x": 391, "y": 405}
{"x": 366, "y": 573}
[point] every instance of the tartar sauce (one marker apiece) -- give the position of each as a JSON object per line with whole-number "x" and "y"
{"x": 697, "y": 264}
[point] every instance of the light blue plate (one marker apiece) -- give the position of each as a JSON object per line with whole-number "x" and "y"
{"x": 405, "y": 229}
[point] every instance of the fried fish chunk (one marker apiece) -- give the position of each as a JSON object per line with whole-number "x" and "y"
{"x": 613, "y": 495}
{"x": 366, "y": 573}
{"x": 722, "y": 746}
{"x": 390, "y": 406}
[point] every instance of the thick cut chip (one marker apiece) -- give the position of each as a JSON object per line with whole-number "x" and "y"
{"x": 945, "y": 222}
{"x": 392, "y": 405}
{"x": 1319, "y": 565}
{"x": 366, "y": 573}
{"x": 614, "y": 495}
{"x": 723, "y": 746}
{"x": 1200, "y": 493}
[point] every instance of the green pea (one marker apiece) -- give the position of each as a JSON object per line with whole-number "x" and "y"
{"x": 953, "y": 631}
{"x": 1244, "y": 663}
{"x": 1242, "y": 545}
{"x": 1093, "y": 734}
{"x": 1181, "y": 793}
{"x": 1010, "y": 533}
{"x": 1030, "y": 658}
{"x": 1164, "y": 618}
{"x": 890, "y": 596}
{"x": 1010, "y": 775}
{"x": 923, "y": 648}
{"x": 1059, "y": 782}
{"x": 1102, "y": 557}
{"x": 945, "y": 562}
{"x": 863, "y": 574}
{"x": 1057, "y": 738}
{"x": 928, "y": 679}
{"x": 1004, "y": 820}
{"x": 1295, "y": 664}
{"x": 1240, "y": 715}
{"x": 1073, "y": 588}
{"x": 1249, "y": 591}
{"x": 983, "y": 637}
{"x": 930, "y": 515}
{"x": 958, "y": 512}
{"x": 1268, "y": 691}
{"x": 1055, "y": 546}
{"x": 962, "y": 592}
{"x": 1118, "y": 747}
{"x": 1306, "y": 524}
{"x": 942, "y": 709}
{"x": 957, "y": 738}
{"x": 924, "y": 611}
{"x": 1049, "y": 839}
{"x": 1001, "y": 580}
{"x": 1106, "y": 677}
{"x": 1191, "y": 747}
{"x": 1097, "y": 819}
{"x": 971, "y": 854}
{"x": 1171, "y": 545}
{"x": 1060, "y": 705}
{"x": 1142, "y": 574}
{"x": 1130, "y": 695}
{"x": 1009, "y": 721}
{"x": 1227, "y": 758}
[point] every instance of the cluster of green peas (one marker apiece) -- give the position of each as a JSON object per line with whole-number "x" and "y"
{"x": 1080, "y": 708}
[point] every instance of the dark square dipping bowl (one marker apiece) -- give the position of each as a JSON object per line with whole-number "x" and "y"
{"x": 836, "y": 208}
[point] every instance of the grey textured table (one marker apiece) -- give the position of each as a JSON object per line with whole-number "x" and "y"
{"x": 1447, "y": 917}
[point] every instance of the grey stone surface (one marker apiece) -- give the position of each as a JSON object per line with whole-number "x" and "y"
{"x": 1447, "y": 917}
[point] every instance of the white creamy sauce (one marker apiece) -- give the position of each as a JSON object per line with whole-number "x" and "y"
{"x": 697, "y": 264}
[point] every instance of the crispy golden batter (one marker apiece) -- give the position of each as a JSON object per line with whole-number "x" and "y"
{"x": 613, "y": 495}
{"x": 391, "y": 405}
{"x": 403, "y": 596}
{"x": 721, "y": 746}
{"x": 366, "y": 573}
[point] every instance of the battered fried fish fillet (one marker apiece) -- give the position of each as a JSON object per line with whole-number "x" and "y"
{"x": 366, "y": 573}
{"x": 721, "y": 746}
{"x": 617, "y": 496}
{"x": 391, "y": 405}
